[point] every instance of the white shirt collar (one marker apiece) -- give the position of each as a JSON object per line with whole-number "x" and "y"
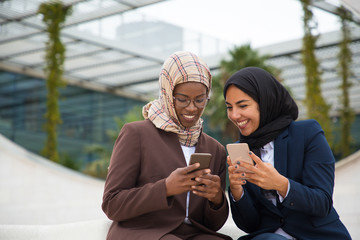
{"x": 268, "y": 146}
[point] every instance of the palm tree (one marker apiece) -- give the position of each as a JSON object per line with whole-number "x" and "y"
{"x": 241, "y": 57}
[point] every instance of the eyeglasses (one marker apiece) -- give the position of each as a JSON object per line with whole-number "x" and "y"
{"x": 185, "y": 101}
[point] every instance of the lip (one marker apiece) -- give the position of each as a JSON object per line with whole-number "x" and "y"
{"x": 242, "y": 124}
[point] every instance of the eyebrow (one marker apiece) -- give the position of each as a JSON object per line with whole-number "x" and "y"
{"x": 238, "y": 102}
{"x": 188, "y": 96}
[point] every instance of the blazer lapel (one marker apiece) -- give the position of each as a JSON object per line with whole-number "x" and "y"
{"x": 280, "y": 164}
{"x": 200, "y": 146}
{"x": 172, "y": 140}
{"x": 280, "y": 153}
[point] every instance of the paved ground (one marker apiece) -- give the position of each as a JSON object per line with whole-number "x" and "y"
{"x": 36, "y": 193}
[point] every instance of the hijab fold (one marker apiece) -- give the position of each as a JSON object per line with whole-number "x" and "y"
{"x": 180, "y": 67}
{"x": 277, "y": 108}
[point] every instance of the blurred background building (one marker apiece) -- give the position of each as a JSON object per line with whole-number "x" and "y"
{"x": 113, "y": 58}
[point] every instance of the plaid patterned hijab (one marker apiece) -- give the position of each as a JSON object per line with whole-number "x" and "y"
{"x": 180, "y": 67}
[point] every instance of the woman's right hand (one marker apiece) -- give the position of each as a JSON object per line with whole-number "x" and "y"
{"x": 236, "y": 180}
{"x": 182, "y": 179}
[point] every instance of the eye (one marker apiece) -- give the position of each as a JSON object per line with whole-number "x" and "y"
{"x": 228, "y": 107}
{"x": 201, "y": 100}
{"x": 182, "y": 100}
{"x": 243, "y": 106}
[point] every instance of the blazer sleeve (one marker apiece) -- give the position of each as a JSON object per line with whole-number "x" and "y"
{"x": 312, "y": 194}
{"x": 122, "y": 198}
{"x": 244, "y": 212}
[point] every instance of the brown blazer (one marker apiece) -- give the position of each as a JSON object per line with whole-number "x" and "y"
{"x": 135, "y": 193}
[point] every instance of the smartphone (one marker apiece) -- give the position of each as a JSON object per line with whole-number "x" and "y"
{"x": 202, "y": 158}
{"x": 239, "y": 152}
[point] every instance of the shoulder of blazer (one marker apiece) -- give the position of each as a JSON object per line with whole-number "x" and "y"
{"x": 146, "y": 128}
{"x": 143, "y": 125}
{"x": 302, "y": 128}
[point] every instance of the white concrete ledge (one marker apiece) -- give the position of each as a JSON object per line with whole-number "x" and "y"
{"x": 347, "y": 193}
{"x": 89, "y": 230}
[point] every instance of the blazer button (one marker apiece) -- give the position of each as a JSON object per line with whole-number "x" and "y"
{"x": 281, "y": 220}
{"x": 291, "y": 204}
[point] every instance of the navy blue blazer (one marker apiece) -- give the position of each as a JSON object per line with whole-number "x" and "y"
{"x": 302, "y": 154}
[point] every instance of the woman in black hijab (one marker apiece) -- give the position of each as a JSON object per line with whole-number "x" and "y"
{"x": 288, "y": 195}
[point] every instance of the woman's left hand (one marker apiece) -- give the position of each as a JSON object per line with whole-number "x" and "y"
{"x": 265, "y": 176}
{"x": 209, "y": 187}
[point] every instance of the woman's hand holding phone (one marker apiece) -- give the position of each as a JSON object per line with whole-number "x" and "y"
{"x": 236, "y": 180}
{"x": 262, "y": 174}
{"x": 237, "y": 159}
{"x": 208, "y": 185}
{"x": 182, "y": 179}
{"x": 210, "y": 188}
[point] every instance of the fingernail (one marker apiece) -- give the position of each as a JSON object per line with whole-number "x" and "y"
{"x": 235, "y": 166}
{"x": 243, "y": 174}
{"x": 238, "y": 162}
{"x": 243, "y": 181}
{"x": 250, "y": 152}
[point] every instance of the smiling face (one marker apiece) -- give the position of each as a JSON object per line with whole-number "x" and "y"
{"x": 195, "y": 91}
{"x": 242, "y": 110}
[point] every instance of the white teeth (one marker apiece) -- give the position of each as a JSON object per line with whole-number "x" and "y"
{"x": 189, "y": 116}
{"x": 242, "y": 123}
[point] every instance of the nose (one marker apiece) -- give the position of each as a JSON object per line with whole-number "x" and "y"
{"x": 191, "y": 107}
{"x": 234, "y": 114}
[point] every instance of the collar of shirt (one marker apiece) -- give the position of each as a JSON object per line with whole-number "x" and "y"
{"x": 187, "y": 152}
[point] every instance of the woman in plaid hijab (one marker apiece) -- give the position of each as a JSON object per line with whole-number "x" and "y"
{"x": 181, "y": 67}
{"x": 151, "y": 191}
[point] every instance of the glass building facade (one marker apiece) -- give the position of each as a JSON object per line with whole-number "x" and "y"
{"x": 86, "y": 115}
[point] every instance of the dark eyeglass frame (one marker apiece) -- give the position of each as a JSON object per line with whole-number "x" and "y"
{"x": 189, "y": 100}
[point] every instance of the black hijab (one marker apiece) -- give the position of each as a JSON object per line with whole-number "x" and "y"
{"x": 277, "y": 108}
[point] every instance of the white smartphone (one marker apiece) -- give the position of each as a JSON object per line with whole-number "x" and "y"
{"x": 239, "y": 152}
{"x": 202, "y": 158}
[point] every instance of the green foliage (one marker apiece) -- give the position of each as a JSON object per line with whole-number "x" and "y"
{"x": 241, "y": 57}
{"x": 68, "y": 161}
{"x": 344, "y": 71}
{"x": 54, "y": 14}
{"x": 315, "y": 104}
{"x": 99, "y": 167}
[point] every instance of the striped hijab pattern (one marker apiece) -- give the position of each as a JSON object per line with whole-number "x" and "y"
{"x": 179, "y": 68}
